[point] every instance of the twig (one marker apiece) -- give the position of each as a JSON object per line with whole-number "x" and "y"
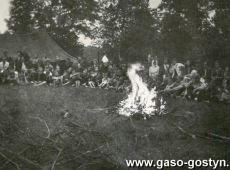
{"x": 219, "y": 137}
{"x": 80, "y": 154}
{"x": 47, "y": 127}
{"x": 54, "y": 163}
{"x": 22, "y": 158}
{"x": 9, "y": 160}
{"x": 94, "y": 150}
{"x": 14, "y": 156}
{"x": 185, "y": 132}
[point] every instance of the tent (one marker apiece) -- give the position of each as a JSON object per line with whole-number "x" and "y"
{"x": 38, "y": 44}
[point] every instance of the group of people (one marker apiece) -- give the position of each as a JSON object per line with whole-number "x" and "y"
{"x": 24, "y": 69}
{"x": 194, "y": 81}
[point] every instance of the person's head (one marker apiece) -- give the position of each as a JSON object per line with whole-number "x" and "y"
{"x": 226, "y": 69}
{"x": 194, "y": 73}
{"x": 85, "y": 71}
{"x": 149, "y": 56}
{"x": 110, "y": 67}
{"x": 57, "y": 67}
{"x": 123, "y": 66}
{"x": 96, "y": 69}
{"x": 57, "y": 58}
{"x": 188, "y": 62}
{"x": 79, "y": 59}
{"x": 78, "y": 65}
{"x": 19, "y": 54}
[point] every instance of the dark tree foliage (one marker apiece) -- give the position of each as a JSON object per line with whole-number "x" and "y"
{"x": 184, "y": 23}
{"x": 127, "y": 29}
{"x": 64, "y": 20}
{"x": 21, "y": 16}
{"x": 219, "y": 38}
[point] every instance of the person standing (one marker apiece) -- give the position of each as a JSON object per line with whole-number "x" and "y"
{"x": 154, "y": 70}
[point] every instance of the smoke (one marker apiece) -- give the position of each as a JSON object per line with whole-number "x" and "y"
{"x": 141, "y": 99}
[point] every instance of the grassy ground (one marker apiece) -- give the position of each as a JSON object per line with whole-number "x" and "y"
{"x": 35, "y": 135}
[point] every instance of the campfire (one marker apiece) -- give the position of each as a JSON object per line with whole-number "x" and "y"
{"x": 141, "y": 100}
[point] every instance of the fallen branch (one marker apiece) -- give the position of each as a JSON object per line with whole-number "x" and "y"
{"x": 194, "y": 136}
{"x": 185, "y": 132}
{"x": 54, "y": 163}
{"x": 9, "y": 160}
{"x": 219, "y": 136}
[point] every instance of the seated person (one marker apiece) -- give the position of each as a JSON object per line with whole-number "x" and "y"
{"x": 225, "y": 94}
{"x": 226, "y": 78}
{"x": 206, "y": 72}
{"x": 23, "y": 75}
{"x": 177, "y": 85}
{"x": 57, "y": 77}
{"x": 93, "y": 77}
{"x": 105, "y": 81}
{"x": 66, "y": 76}
{"x": 167, "y": 81}
{"x": 198, "y": 88}
{"x": 40, "y": 75}
{"x": 12, "y": 76}
{"x": 32, "y": 74}
{"x": 182, "y": 84}
{"x": 75, "y": 78}
{"x": 216, "y": 75}
{"x": 4, "y": 66}
{"x": 92, "y": 80}
{"x": 48, "y": 71}
{"x": 85, "y": 78}
{"x": 154, "y": 70}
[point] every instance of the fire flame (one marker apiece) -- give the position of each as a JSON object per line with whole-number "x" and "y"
{"x": 141, "y": 99}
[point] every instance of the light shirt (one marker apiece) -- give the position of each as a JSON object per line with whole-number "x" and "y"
{"x": 154, "y": 71}
{"x": 4, "y": 66}
{"x": 178, "y": 68}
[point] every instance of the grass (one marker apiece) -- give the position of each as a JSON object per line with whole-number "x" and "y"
{"x": 35, "y": 135}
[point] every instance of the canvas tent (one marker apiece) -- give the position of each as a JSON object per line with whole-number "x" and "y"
{"x": 38, "y": 44}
